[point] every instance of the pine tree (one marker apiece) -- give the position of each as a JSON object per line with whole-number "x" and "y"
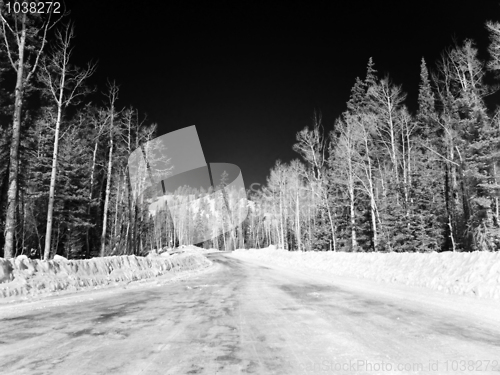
{"x": 38, "y": 148}
{"x": 426, "y": 103}
{"x": 357, "y": 98}
{"x": 72, "y": 198}
{"x": 200, "y": 223}
{"x": 429, "y": 213}
{"x": 371, "y": 74}
{"x": 322, "y": 236}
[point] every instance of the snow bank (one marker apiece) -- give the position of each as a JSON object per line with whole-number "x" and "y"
{"x": 23, "y": 276}
{"x": 196, "y": 249}
{"x": 474, "y": 274}
{"x": 166, "y": 251}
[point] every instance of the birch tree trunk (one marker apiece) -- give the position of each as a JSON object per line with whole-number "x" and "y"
{"x": 99, "y": 122}
{"x": 297, "y": 222}
{"x": 10, "y": 219}
{"x": 53, "y": 174}
{"x": 16, "y": 34}
{"x": 108, "y": 190}
{"x": 371, "y": 192}
{"x": 64, "y": 84}
{"x": 113, "y": 96}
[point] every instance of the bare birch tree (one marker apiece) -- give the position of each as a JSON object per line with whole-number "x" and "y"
{"x": 24, "y": 37}
{"x": 345, "y": 159}
{"x": 311, "y": 145}
{"x": 64, "y": 85}
{"x": 112, "y": 98}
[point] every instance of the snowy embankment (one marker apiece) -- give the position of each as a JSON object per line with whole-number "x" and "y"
{"x": 471, "y": 274}
{"x": 23, "y": 276}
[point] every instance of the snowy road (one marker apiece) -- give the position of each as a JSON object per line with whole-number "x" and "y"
{"x": 250, "y": 318}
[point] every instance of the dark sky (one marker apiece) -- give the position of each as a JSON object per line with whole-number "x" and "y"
{"x": 250, "y": 74}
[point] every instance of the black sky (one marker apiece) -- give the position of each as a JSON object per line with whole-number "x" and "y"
{"x": 250, "y": 74}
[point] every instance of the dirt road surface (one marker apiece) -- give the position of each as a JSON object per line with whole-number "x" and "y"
{"x": 243, "y": 317}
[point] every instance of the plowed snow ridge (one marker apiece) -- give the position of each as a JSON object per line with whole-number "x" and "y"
{"x": 23, "y": 276}
{"x": 470, "y": 274}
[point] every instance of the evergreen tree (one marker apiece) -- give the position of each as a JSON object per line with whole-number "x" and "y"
{"x": 426, "y": 103}
{"x": 322, "y": 236}
{"x": 371, "y": 74}
{"x": 200, "y": 223}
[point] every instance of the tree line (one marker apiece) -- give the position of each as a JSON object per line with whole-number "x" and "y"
{"x": 382, "y": 179}
{"x": 63, "y": 182}
{"x": 385, "y": 179}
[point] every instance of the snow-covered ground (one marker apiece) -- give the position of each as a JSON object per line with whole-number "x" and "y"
{"x": 470, "y": 274}
{"x": 28, "y": 277}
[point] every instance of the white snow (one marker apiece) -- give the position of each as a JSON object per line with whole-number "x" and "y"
{"x": 24, "y": 276}
{"x": 470, "y": 274}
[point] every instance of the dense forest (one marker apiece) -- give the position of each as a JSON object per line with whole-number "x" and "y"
{"x": 381, "y": 179}
{"x": 385, "y": 179}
